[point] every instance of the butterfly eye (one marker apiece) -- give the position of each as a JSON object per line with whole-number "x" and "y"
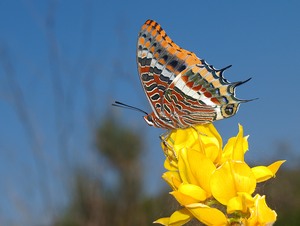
{"x": 229, "y": 109}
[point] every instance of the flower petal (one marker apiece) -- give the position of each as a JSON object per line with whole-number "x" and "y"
{"x": 209, "y": 130}
{"x": 162, "y": 221}
{"x": 263, "y": 173}
{"x": 182, "y": 198}
{"x": 178, "y": 218}
{"x": 236, "y": 147}
{"x": 203, "y": 138}
{"x": 184, "y": 168}
{"x": 240, "y": 146}
{"x": 212, "y": 141}
{"x": 240, "y": 203}
{"x": 189, "y": 193}
{"x": 229, "y": 179}
{"x": 172, "y": 178}
{"x": 275, "y": 166}
{"x": 170, "y": 164}
{"x": 200, "y": 167}
{"x": 207, "y": 215}
{"x": 184, "y": 138}
{"x": 261, "y": 214}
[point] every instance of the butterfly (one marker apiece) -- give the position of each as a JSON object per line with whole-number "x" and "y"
{"x": 183, "y": 90}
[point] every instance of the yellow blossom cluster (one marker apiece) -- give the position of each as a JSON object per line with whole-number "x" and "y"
{"x": 214, "y": 184}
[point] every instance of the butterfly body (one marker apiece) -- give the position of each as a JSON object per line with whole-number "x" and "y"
{"x": 183, "y": 90}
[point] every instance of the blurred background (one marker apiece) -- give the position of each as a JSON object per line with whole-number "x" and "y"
{"x": 68, "y": 158}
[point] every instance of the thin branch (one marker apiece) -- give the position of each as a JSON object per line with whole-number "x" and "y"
{"x": 24, "y": 116}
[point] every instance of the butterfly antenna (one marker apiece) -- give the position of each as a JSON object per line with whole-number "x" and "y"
{"x": 122, "y": 105}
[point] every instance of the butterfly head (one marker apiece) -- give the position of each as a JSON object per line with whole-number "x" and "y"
{"x": 229, "y": 109}
{"x": 150, "y": 119}
{"x": 160, "y": 122}
{"x": 153, "y": 120}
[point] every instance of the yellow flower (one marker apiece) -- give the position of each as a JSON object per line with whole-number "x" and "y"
{"x": 212, "y": 184}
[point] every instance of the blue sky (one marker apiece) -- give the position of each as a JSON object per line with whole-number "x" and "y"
{"x": 72, "y": 59}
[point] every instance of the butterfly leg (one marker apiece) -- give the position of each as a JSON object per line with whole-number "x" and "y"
{"x": 198, "y": 131}
{"x": 167, "y": 146}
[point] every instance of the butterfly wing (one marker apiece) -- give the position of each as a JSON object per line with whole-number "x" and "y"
{"x": 182, "y": 89}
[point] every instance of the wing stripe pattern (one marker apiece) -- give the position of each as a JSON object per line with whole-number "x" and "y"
{"x": 182, "y": 89}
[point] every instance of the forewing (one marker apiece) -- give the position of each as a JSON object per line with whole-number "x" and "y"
{"x": 159, "y": 60}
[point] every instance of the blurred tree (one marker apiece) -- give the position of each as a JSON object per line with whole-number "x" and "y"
{"x": 122, "y": 147}
{"x": 86, "y": 207}
{"x": 284, "y": 196}
{"x": 95, "y": 203}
